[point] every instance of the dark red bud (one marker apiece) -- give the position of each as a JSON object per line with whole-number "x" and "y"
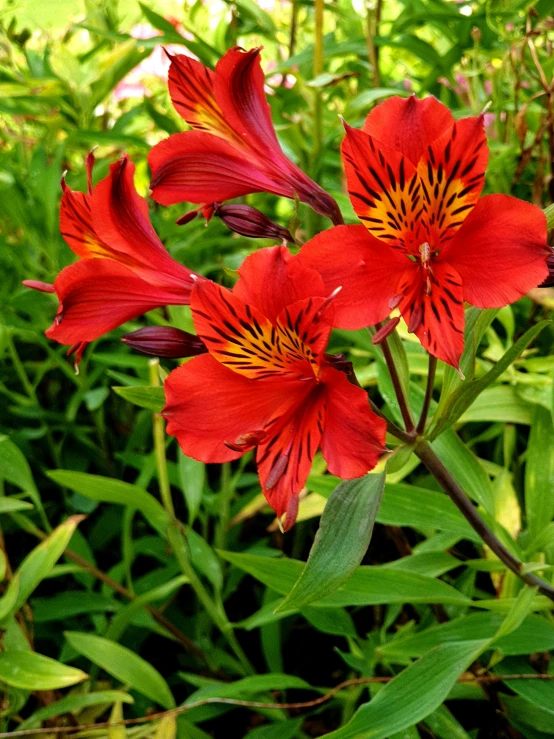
{"x": 250, "y": 222}
{"x": 164, "y": 341}
{"x": 549, "y": 282}
{"x": 325, "y": 205}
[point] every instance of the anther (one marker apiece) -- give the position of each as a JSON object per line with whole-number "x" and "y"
{"x": 385, "y": 330}
{"x": 415, "y": 319}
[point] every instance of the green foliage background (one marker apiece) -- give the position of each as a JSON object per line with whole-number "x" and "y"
{"x": 117, "y": 611}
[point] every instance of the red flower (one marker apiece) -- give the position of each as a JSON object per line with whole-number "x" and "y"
{"x": 266, "y": 382}
{"x": 233, "y": 150}
{"x": 428, "y": 242}
{"x": 124, "y": 270}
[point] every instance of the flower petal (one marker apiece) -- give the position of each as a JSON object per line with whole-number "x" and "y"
{"x": 408, "y": 125}
{"x": 452, "y": 174}
{"x": 122, "y": 220}
{"x": 77, "y": 225}
{"x": 500, "y": 252}
{"x": 433, "y": 308}
{"x": 243, "y": 339}
{"x": 239, "y": 91}
{"x": 367, "y": 270}
{"x": 384, "y": 189}
{"x": 191, "y": 88}
{"x": 284, "y": 462}
{"x": 98, "y": 295}
{"x": 208, "y": 405}
{"x": 271, "y": 278}
{"x": 197, "y": 167}
{"x": 353, "y": 436}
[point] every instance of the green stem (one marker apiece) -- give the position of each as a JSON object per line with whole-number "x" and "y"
{"x": 314, "y": 219}
{"x": 402, "y": 401}
{"x": 177, "y": 537}
{"x": 457, "y": 495}
{"x": 226, "y": 494}
{"x": 428, "y": 394}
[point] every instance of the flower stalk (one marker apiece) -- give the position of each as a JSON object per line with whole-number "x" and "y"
{"x": 177, "y": 538}
{"x": 465, "y": 506}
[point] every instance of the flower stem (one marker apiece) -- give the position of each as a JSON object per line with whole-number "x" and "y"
{"x": 176, "y": 534}
{"x": 428, "y": 394}
{"x": 457, "y": 495}
{"x": 402, "y": 401}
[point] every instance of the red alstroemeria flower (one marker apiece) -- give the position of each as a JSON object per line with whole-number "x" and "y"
{"x": 266, "y": 382}
{"x": 233, "y": 149}
{"x": 124, "y": 270}
{"x": 429, "y": 242}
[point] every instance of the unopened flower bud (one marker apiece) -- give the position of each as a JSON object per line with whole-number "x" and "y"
{"x": 248, "y": 221}
{"x": 164, "y": 341}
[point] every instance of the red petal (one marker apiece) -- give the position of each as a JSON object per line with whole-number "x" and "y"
{"x": 408, "y": 125}
{"x": 98, "y": 295}
{"x": 270, "y": 279}
{"x": 285, "y": 460}
{"x": 199, "y": 168}
{"x": 77, "y": 225}
{"x": 239, "y": 91}
{"x": 122, "y": 220}
{"x": 452, "y": 174}
{"x": 436, "y": 318}
{"x": 303, "y": 329}
{"x": 500, "y": 251}
{"x": 353, "y": 437}
{"x": 366, "y": 269}
{"x": 243, "y": 339}
{"x": 384, "y": 190}
{"x": 191, "y": 88}
{"x": 208, "y": 405}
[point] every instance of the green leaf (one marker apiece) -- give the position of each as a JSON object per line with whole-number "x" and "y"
{"x": 538, "y": 692}
{"x": 476, "y": 323}
{"x": 10, "y": 505}
{"x": 465, "y": 395}
{"x": 74, "y": 704}
{"x": 39, "y": 563}
{"x": 465, "y": 468}
{"x": 413, "y": 694}
{"x": 535, "y": 634}
{"x": 124, "y": 665}
{"x": 8, "y": 602}
{"x": 521, "y": 608}
{"x": 192, "y": 475}
{"x": 247, "y": 686}
{"x": 152, "y": 398}
{"x": 539, "y": 472}
{"x": 408, "y": 505}
{"x": 31, "y": 671}
{"x": 107, "y": 490}
{"x": 502, "y": 404}
{"x": 14, "y": 468}
{"x": 367, "y": 586}
{"x": 341, "y": 541}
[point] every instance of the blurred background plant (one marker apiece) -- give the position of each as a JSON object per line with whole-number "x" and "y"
{"x": 118, "y": 604}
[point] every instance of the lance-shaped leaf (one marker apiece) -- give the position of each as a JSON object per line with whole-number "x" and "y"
{"x": 464, "y": 396}
{"x": 124, "y": 665}
{"x": 31, "y": 671}
{"x": 413, "y": 694}
{"x": 39, "y": 563}
{"x": 341, "y": 540}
